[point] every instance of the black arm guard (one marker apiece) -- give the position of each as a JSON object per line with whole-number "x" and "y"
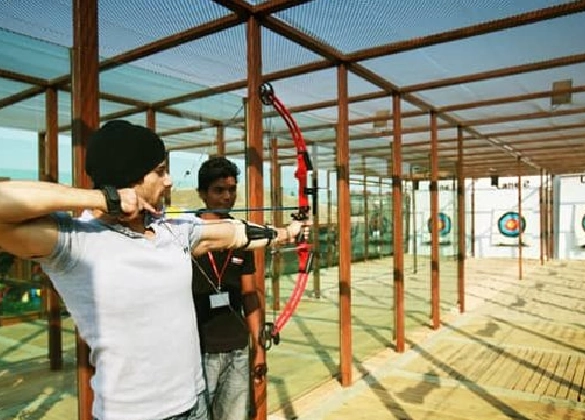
{"x": 258, "y": 232}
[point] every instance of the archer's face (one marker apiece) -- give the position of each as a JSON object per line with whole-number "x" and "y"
{"x": 155, "y": 183}
{"x": 221, "y": 194}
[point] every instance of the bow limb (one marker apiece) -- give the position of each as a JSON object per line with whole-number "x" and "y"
{"x": 303, "y": 247}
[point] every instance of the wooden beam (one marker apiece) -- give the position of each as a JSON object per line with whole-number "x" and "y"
{"x": 468, "y": 31}
{"x": 498, "y": 73}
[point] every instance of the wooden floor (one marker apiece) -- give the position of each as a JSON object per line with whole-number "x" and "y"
{"x": 517, "y": 353}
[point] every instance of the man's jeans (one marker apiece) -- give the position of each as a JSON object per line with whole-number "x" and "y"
{"x": 198, "y": 412}
{"x": 228, "y": 377}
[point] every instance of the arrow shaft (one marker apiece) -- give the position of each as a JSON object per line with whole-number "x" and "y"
{"x": 236, "y": 210}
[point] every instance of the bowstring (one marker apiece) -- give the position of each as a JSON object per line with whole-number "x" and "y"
{"x": 273, "y": 251}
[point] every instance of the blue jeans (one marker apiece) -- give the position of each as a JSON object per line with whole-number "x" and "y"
{"x": 198, "y": 412}
{"x": 228, "y": 384}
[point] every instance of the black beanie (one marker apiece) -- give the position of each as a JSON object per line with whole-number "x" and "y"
{"x": 121, "y": 153}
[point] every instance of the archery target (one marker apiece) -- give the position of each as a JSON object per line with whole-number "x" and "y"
{"x": 579, "y": 224}
{"x": 510, "y": 224}
{"x": 506, "y": 228}
{"x": 444, "y": 225}
{"x": 443, "y": 222}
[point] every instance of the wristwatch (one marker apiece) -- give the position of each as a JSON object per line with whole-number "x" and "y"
{"x": 112, "y": 200}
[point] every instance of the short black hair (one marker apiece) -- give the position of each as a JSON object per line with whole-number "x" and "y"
{"x": 215, "y": 168}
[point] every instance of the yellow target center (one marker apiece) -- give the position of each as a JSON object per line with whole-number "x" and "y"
{"x": 511, "y": 224}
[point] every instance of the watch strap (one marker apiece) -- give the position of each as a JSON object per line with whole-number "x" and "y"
{"x": 113, "y": 202}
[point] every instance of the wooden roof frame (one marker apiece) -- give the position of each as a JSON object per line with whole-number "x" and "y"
{"x": 571, "y": 162}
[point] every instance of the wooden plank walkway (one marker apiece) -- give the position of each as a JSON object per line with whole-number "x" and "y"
{"x": 518, "y": 352}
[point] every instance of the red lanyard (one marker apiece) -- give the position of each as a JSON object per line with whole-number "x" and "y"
{"x": 217, "y": 274}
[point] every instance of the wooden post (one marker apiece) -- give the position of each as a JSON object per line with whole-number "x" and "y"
{"x": 551, "y": 212}
{"x": 541, "y": 213}
{"x": 398, "y": 234}
{"x": 85, "y": 119}
{"x": 435, "y": 279}
{"x": 520, "y": 233}
{"x": 49, "y": 172}
{"x": 366, "y": 210}
{"x": 461, "y": 249}
{"x": 343, "y": 225}
{"x": 316, "y": 225}
{"x": 276, "y": 201}
{"x": 220, "y": 140}
{"x": 472, "y": 215}
{"x": 254, "y": 170}
{"x": 546, "y": 217}
{"x": 414, "y": 224}
{"x": 380, "y": 216}
{"x": 246, "y": 163}
{"x": 330, "y": 229}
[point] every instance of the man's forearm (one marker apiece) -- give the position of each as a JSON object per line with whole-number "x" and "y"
{"x": 232, "y": 233}
{"x": 253, "y": 313}
{"x": 26, "y": 200}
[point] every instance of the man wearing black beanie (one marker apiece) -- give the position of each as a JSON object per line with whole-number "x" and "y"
{"x": 120, "y": 154}
{"x": 124, "y": 277}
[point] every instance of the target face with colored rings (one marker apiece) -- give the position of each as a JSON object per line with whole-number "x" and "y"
{"x": 510, "y": 224}
{"x": 443, "y": 224}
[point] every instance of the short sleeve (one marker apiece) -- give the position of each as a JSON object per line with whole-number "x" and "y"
{"x": 66, "y": 252}
{"x": 249, "y": 266}
{"x": 195, "y": 232}
{"x": 193, "y": 225}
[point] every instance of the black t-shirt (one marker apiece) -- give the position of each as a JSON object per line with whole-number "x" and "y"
{"x": 222, "y": 329}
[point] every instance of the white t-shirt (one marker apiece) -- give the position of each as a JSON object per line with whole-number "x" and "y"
{"x": 130, "y": 298}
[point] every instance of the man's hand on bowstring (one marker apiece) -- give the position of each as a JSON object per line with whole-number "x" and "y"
{"x": 133, "y": 206}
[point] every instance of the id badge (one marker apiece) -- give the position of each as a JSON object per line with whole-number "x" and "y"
{"x": 219, "y": 300}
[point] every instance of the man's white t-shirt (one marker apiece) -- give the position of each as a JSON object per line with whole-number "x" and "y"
{"x": 130, "y": 298}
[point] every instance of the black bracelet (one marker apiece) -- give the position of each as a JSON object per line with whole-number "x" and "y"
{"x": 113, "y": 202}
